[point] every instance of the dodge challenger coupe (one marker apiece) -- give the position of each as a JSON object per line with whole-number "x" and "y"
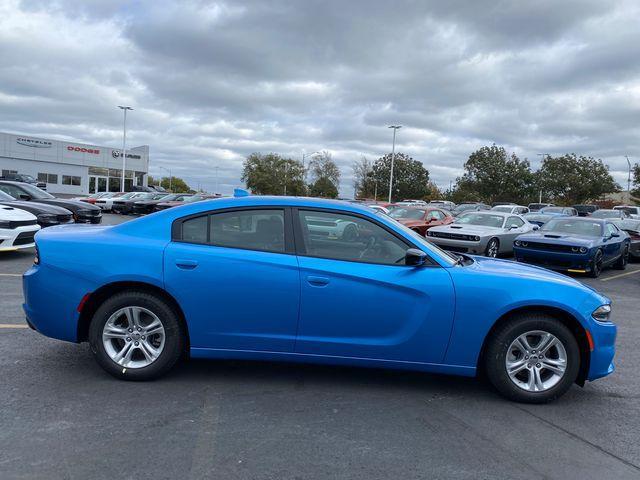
{"x": 253, "y": 278}
{"x": 421, "y": 219}
{"x": 575, "y": 244}
{"x": 488, "y": 233}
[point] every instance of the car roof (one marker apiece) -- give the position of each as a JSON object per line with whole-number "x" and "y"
{"x": 494, "y": 213}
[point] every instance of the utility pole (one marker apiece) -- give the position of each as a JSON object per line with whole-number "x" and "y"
{"x": 170, "y": 178}
{"x": 124, "y": 108}
{"x": 393, "y": 158}
{"x": 628, "y": 180}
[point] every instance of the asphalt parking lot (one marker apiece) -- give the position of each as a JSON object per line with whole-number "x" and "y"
{"x": 63, "y": 417}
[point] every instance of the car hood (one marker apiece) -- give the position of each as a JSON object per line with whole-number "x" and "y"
{"x": 38, "y": 207}
{"x": 68, "y": 204}
{"x": 11, "y": 213}
{"x": 560, "y": 239}
{"x": 467, "y": 229}
{"x": 410, "y": 222}
{"x": 516, "y": 270}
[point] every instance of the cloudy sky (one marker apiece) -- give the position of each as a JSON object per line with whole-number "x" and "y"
{"x": 212, "y": 81}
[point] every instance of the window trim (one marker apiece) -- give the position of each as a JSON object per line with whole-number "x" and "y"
{"x": 301, "y": 247}
{"x": 289, "y": 248}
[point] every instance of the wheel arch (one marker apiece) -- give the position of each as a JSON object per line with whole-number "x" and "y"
{"x": 97, "y": 297}
{"x": 568, "y": 319}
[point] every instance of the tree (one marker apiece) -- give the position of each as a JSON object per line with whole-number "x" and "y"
{"x": 325, "y": 176}
{"x": 572, "y": 179}
{"x": 410, "y": 178}
{"x": 271, "y": 174}
{"x": 177, "y": 184}
{"x": 364, "y": 184}
{"x": 636, "y": 181}
{"x": 492, "y": 175}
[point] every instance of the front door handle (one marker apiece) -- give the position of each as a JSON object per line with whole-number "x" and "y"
{"x": 317, "y": 281}
{"x": 186, "y": 264}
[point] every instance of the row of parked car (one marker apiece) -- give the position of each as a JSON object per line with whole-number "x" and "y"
{"x": 142, "y": 203}
{"x": 25, "y": 209}
{"x": 554, "y": 237}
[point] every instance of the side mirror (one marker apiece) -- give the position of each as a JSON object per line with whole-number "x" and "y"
{"x": 415, "y": 258}
{"x": 24, "y": 196}
{"x": 536, "y": 227}
{"x": 615, "y": 235}
{"x": 511, "y": 227}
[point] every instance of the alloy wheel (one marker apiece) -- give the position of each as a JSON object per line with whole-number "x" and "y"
{"x": 536, "y": 361}
{"x": 133, "y": 337}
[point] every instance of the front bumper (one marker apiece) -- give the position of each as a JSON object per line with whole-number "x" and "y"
{"x": 604, "y": 349}
{"x": 562, "y": 261}
{"x": 93, "y": 219}
{"x": 462, "y": 246}
{"x": 12, "y": 239}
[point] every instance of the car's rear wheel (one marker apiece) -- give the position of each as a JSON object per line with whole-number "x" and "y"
{"x": 532, "y": 358}
{"x": 621, "y": 264}
{"x": 596, "y": 264}
{"x": 136, "y": 336}
{"x": 493, "y": 248}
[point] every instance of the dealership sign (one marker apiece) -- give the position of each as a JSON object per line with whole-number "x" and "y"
{"x": 34, "y": 142}
{"x": 118, "y": 153}
{"x": 94, "y": 151}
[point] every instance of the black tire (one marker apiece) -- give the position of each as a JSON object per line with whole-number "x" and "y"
{"x": 621, "y": 263}
{"x": 350, "y": 233}
{"x": 596, "y": 265}
{"x": 493, "y": 245}
{"x": 500, "y": 342}
{"x": 174, "y": 342}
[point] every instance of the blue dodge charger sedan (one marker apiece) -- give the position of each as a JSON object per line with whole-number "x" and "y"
{"x": 307, "y": 280}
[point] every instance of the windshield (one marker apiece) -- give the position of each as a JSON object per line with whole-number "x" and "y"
{"x": 629, "y": 210}
{"x": 573, "y": 226}
{"x": 193, "y": 198}
{"x": 35, "y": 192}
{"x": 421, "y": 241}
{"x": 505, "y": 209}
{"x": 552, "y": 210}
{"x": 410, "y": 213}
{"x": 465, "y": 207}
{"x": 28, "y": 178}
{"x": 5, "y": 197}
{"x": 482, "y": 219}
{"x": 606, "y": 214}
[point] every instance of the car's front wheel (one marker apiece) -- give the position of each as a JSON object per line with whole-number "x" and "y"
{"x": 136, "y": 336}
{"x": 596, "y": 264}
{"x": 532, "y": 358}
{"x": 493, "y": 248}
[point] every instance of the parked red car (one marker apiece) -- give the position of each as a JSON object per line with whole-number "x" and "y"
{"x": 420, "y": 219}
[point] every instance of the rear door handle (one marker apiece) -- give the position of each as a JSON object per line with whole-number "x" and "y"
{"x": 317, "y": 281}
{"x": 186, "y": 264}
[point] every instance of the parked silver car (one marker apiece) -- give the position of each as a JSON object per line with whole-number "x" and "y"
{"x": 487, "y": 233}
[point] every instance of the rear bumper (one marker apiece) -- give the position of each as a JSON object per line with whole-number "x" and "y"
{"x": 554, "y": 260}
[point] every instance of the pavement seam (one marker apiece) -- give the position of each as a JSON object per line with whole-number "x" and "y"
{"x": 579, "y": 438}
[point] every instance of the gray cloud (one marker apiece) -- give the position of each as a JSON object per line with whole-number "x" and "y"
{"x": 212, "y": 81}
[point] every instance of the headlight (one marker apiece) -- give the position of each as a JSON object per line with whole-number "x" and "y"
{"x": 5, "y": 224}
{"x": 48, "y": 217}
{"x": 601, "y": 314}
{"x": 583, "y": 249}
{"x": 518, "y": 243}
{"x": 476, "y": 238}
{"x": 575, "y": 249}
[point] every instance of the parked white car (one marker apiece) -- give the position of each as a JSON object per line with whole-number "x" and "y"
{"x": 517, "y": 209}
{"x": 17, "y": 229}
{"x": 632, "y": 210}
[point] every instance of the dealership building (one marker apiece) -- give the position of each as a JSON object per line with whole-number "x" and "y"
{"x": 72, "y": 168}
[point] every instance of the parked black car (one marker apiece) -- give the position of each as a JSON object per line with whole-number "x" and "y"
{"x": 47, "y": 215}
{"x": 585, "y": 210}
{"x": 82, "y": 212}
{"x": 536, "y": 207}
{"x": 24, "y": 178}
{"x": 142, "y": 207}
{"x": 124, "y": 204}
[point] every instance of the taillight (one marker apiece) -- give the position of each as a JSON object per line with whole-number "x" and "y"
{"x": 634, "y": 235}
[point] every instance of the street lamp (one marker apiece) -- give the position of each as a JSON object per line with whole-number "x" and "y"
{"x": 124, "y": 141}
{"x": 170, "y": 177}
{"x": 393, "y": 157}
{"x": 542, "y": 155}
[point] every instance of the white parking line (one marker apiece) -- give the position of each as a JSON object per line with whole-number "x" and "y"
{"x": 10, "y": 274}
{"x": 619, "y": 276}
{"x": 14, "y": 325}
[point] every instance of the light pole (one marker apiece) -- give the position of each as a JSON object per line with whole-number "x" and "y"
{"x": 124, "y": 142}
{"x": 542, "y": 155}
{"x": 628, "y": 180}
{"x": 216, "y": 190}
{"x": 170, "y": 178}
{"x": 393, "y": 158}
